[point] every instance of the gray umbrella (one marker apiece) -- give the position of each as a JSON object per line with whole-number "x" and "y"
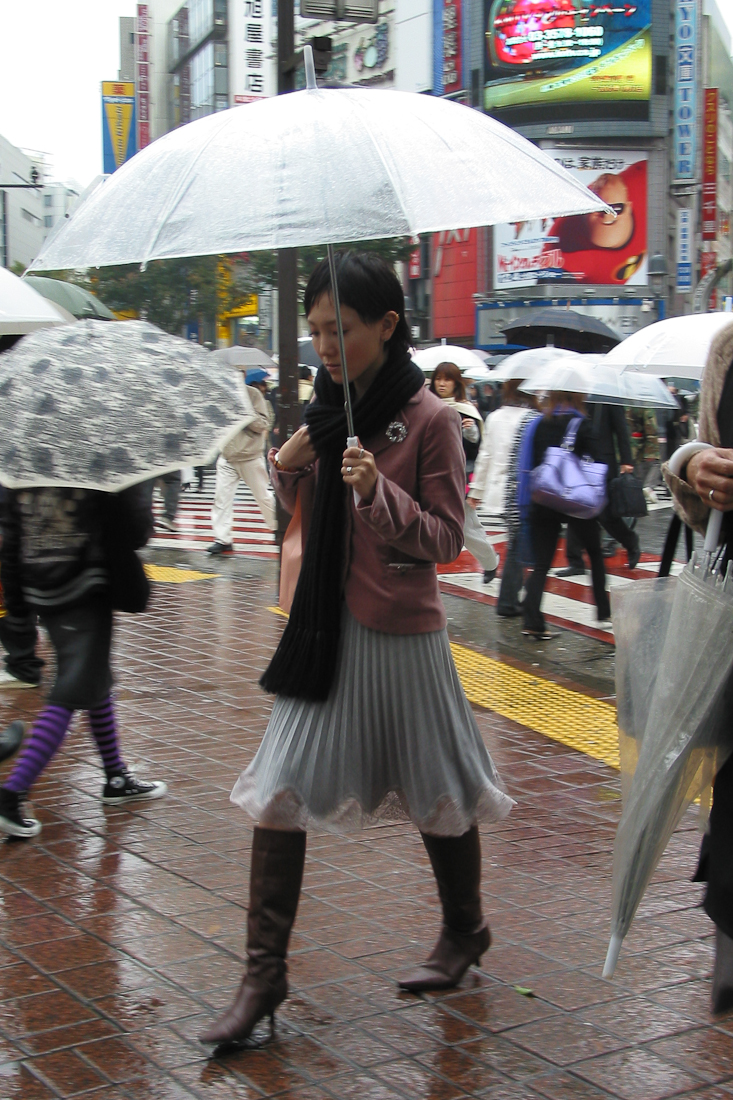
{"x": 74, "y": 299}
{"x": 103, "y": 406}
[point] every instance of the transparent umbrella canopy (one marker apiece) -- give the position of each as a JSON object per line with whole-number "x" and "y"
{"x": 593, "y": 376}
{"x": 428, "y": 359}
{"x": 523, "y": 364}
{"x": 677, "y": 347}
{"x": 315, "y": 167}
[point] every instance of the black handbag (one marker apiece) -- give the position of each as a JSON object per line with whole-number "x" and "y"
{"x": 129, "y": 587}
{"x": 626, "y": 497}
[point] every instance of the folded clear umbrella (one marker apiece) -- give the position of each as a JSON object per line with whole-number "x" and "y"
{"x": 670, "y": 721}
{"x": 103, "y": 406}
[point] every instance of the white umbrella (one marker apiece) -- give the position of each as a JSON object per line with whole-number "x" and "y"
{"x": 429, "y": 358}
{"x": 23, "y": 310}
{"x": 244, "y": 358}
{"x": 677, "y": 347}
{"x": 478, "y": 374}
{"x": 523, "y": 364}
{"x": 598, "y": 380}
{"x": 315, "y": 167}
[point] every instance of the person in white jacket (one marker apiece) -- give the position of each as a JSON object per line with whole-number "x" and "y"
{"x": 489, "y": 485}
{"x": 243, "y": 459}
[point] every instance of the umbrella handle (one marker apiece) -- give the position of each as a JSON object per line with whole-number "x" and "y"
{"x": 712, "y": 534}
{"x": 340, "y": 331}
{"x": 614, "y": 949}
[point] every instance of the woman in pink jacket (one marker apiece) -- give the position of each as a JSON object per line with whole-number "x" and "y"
{"x": 370, "y": 718}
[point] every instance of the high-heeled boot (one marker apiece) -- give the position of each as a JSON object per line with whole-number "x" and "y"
{"x": 275, "y": 879}
{"x": 465, "y": 934}
{"x": 722, "y": 999}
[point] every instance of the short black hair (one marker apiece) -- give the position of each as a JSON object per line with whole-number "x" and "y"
{"x": 368, "y": 285}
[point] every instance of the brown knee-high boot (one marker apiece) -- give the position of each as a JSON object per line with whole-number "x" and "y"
{"x": 465, "y": 934}
{"x": 275, "y": 878}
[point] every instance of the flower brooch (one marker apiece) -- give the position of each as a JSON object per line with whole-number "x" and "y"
{"x": 396, "y": 432}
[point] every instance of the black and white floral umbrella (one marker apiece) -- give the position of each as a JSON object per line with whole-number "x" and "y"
{"x": 101, "y": 406}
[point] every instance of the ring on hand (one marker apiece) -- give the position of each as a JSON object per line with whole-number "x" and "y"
{"x": 348, "y": 469}
{"x": 361, "y": 453}
{"x": 710, "y": 494}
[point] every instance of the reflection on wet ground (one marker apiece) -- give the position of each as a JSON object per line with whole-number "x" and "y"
{"x": 122, "y": 931}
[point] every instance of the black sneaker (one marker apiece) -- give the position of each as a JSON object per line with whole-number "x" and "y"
{"x": 489, "y": 574}
{"x": 124, "y": 787}
{"x": 12, "y": 819}
{"x": 221, "y": 548}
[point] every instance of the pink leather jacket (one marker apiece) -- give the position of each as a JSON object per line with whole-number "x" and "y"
{"x": 415, "y": 520}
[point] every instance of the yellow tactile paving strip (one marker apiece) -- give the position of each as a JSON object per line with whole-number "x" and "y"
{"x": 168, "y": 574}
{"x": 564, "y": 715}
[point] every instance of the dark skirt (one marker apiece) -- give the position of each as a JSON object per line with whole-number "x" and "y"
{"x": 81, "y": 638}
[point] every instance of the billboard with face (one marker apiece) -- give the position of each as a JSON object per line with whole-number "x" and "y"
{"x": 567, "y": 59}
{"x": 588, "y": 248}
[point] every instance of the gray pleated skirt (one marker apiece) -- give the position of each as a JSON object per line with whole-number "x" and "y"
{"x": 396, "y": 740}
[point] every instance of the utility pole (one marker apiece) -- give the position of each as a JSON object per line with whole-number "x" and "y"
{"x": 287, "y": 261}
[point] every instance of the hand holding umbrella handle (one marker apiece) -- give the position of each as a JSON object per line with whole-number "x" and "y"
{"x": 679, "y": 459}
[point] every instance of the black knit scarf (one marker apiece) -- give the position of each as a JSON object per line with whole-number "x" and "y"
{"x": 304, "y": 663}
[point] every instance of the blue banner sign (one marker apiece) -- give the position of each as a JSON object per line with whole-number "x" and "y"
{"x": 685, "y": 63}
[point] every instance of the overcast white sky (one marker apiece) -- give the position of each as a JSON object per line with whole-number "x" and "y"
{"x": 53, "y": 56}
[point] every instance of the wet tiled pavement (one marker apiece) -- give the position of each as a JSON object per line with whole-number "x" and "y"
{"x": 122, "y": 931}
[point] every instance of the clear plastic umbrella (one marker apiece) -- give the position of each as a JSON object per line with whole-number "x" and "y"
{"x": 100, "y": 406}
{"x": 428, "y": 359}
{"x": 523, "y": 364}
{"x": 681, "y": 746}
{"x": 244, "y": 357}
{"x": 677, "y": 347}
{"x": 594, "y": 377}
{"x": 315, "y": 167}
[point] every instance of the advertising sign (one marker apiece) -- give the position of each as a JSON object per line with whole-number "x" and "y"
{"x": 588, "y": 248}
{"x": 566, "y": 59}
{"x": 143, "y": 77}
{"x": 448, "y": 76}
{"x": 684, "y": 249}
{"x": 710, "y": 166}
{"x": 252, "y": 75}
{"x": 685, "y": 78}
{"x": 119, "y": 136}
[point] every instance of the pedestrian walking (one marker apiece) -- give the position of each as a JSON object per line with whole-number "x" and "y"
{"x": 611, "y": 431}
{"x": 449, "y": 386}
{"x": 68, "y": 556}
{"x": 545, "y": 523}
{"x": 243, "y": 459}
{"x": 645, "y": 449}
{"x": 707, "y": 482}
{"x": 369, "y": 716}
{"x": 490, "y": 483}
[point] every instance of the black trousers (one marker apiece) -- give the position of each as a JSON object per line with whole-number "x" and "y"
{"x": 616, "y": 528}
{"x": 716, "y": 860}
{"x": 546, "y": 525}
{"x": 18, "y": 637}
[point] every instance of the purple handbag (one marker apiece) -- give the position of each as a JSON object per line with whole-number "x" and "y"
{"x": 569, "y": 484}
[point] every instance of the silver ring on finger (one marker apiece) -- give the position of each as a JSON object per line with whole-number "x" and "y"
{"x": 361, "y": 453}
{"x": 348, "y": 469}
{"x": 710, "y": 494}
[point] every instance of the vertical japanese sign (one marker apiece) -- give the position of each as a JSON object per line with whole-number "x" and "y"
{"x": 143, "y": 76}
{"x": 685, "y": 45}
{"x": 684, "y": 249}
{"x": 250, "y": 68}
{"x": 710, "y": 166}
{"x": 447, "y": 58}
{"x": 118, "y": 123}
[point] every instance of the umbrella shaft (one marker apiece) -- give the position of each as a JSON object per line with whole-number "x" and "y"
{"x": 340, "y": 331}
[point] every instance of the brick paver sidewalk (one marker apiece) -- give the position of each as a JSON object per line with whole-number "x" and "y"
{"x": 122, "y": 931}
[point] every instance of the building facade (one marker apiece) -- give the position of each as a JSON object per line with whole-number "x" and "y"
{"x": 21, "y": 209}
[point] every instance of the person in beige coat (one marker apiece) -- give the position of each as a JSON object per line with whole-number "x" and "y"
{"x": 706, "y": 482}
{"x": 243, "y": 459}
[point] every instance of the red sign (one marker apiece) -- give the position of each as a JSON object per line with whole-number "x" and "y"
{"x": 143, "y": 78}
{"x": 415, "y": 266}
{"x": 710, "y": 166}
{"x": 455, "y": 281}
{"x": 452, "y": 77}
